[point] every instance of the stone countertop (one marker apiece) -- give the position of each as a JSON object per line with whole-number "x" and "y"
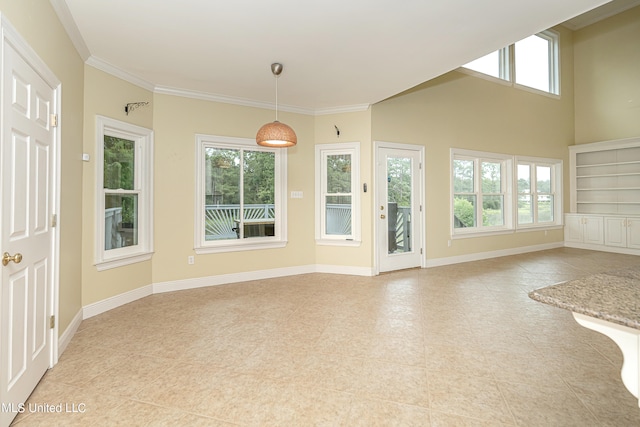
{"x": 613, "y": 296}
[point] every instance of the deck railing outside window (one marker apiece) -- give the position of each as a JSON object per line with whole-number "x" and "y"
{"x": 221, "y": 221}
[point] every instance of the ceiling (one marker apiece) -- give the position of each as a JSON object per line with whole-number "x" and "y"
{"x": 338, "y": 55}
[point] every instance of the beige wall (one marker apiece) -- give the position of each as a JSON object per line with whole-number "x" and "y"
{"x": 354, "y": 127}
{"x": 36, "y": 21}
{"x": 457, "y": 110}
{"x": 607, "y": 79}
{"x": 176, "y": 122}
{"x": 107, "y": 95}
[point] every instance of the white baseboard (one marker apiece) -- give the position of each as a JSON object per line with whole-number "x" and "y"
{"x": 115, "y": 301}
{"x": 437, "y": 262}
{"x": 65, "y": 338}
{"x": 602, "y": 248}
{"x": 223, "y": 279}
{"x": 200, "y": 282}
{"x": 344, "y": 269}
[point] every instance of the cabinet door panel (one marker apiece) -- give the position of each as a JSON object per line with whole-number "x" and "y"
{"x": 593, "y": 231}
{"x": 615, "y": 232}
{"x": 633, "y": 233}
{"x": 573, "y": 228}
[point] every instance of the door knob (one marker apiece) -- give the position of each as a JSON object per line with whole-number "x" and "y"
{"x": 6, "y": 258}
{"x": 381, "y": 217}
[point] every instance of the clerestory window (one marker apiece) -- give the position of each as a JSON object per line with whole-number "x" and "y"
{"x": 532, "y": 62}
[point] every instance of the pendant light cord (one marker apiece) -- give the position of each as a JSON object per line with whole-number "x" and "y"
{"x": 277, "y": 98}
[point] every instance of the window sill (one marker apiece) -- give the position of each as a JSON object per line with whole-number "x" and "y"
{"x": 508, "y": 83}
{"x": 344, "y": 242}
{"x": 520, "y": 229}
{"x": 481, "y": 233}
{"x": 239, "y": 247}
{"x": 121, "y": 262}
{"x": 525, "y": 228}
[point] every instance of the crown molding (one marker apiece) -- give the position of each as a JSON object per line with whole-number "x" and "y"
{"x": 600, "y": 13}
{"x": 120, "y": 73}
{"x": 64, "y": 15}
{"x": 230, "y": 100}
{"x": 165, "y": 90}
{"x": 258, "y": 104}
{"x": 343, "y": 109}
{"x": 69, "y": 24}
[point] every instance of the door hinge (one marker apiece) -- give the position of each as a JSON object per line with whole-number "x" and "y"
{"x": 52, "y": 322}
{"x": 54, "y": 120}
{"x": 54, "y": 220}
{"x": 420, "y": 251}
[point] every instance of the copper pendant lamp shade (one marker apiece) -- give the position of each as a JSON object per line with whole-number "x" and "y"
{"x": 276, "y": 134}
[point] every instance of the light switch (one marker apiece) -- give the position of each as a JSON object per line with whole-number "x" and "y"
{"x": 296, "y": 194}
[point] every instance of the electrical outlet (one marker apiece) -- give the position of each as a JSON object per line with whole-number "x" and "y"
{"x": 191, "y": 260}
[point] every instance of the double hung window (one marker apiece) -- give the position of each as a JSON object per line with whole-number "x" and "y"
{"x": 481, "y": 192}
{"x": 488, "y": 196}
{"x": 337, "y": 195}
{"x": 240, "y": 188}
{"x": 538, "y": 192}
{"x": 124, "y": 198}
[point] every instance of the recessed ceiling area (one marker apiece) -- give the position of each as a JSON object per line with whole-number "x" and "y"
{"x": 337, "y": 55}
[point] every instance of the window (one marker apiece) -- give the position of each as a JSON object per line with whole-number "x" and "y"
{"x": 483, "y": 201}
{"x": 539, "y": 192}
{"x": 532, "y": 62}
{"x": 124, "y": 198}
{"x": 240, "y": 195}
{"x": 495, "y": 64}
{"x": 337, "y": 194}
{"x": 481, "y": 192}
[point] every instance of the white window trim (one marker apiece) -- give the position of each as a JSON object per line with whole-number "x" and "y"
{"x": 143, "y": 138}
{"x": 507, "y": 67}
{"x": 556, "y": 177}
{"x": 506, "y": 177}
{"x": 511, "y": 211}
{"x": 554, "y": 66}
{"x": 322, "y": 150}
{"x": 202, "y": 246}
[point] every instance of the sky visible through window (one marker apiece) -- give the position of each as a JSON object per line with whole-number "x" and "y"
{"x": 532, "y": 66}
{"x": 532, "y": 63}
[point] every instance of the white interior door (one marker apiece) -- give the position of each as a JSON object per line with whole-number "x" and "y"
{"x": 27, "y": 237}
{"x": 398, "y": 211}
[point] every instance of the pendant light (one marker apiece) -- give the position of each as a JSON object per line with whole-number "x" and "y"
{"x": 276, "y": 134}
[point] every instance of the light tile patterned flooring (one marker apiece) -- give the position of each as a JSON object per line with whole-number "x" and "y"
{"x": 459, "y": 345}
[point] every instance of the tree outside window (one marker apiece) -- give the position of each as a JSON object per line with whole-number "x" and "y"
{"x": 241, "y": 188}
{"x": 470, "y": 187}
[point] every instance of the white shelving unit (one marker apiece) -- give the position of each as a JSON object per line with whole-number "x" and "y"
{"x": 605, "y": 177}
{"x": 605, "y": 182}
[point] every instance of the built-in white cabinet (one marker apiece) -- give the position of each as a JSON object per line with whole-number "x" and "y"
{"x": 605, "y": 177}
{"x": 605, "y": 196}
{"x": 584, "y": 229}
{"x": 622, "y": 232}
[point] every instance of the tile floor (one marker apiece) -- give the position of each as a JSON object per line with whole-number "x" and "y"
{"x": 459, "y": 345}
